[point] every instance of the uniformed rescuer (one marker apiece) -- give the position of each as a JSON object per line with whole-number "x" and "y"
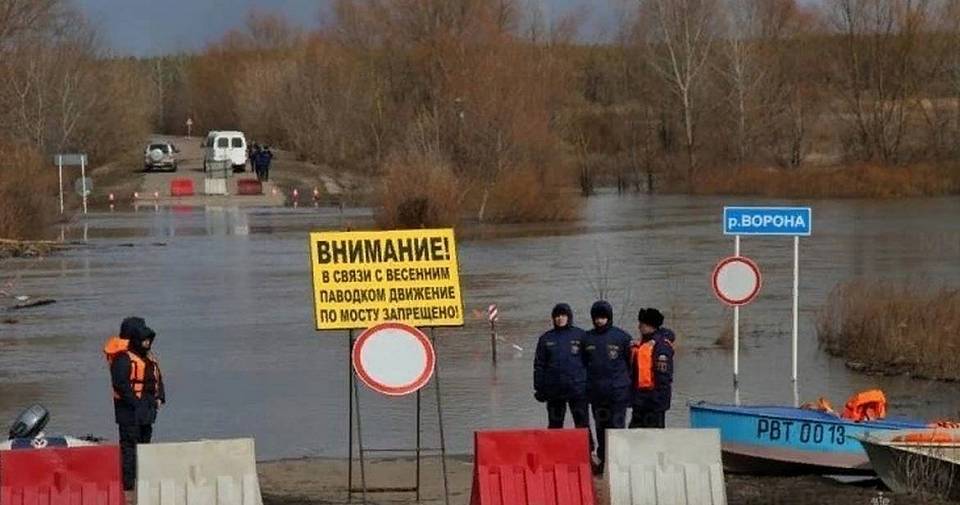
{"x": 607, "y": 355}
{"x": 559, "y": 373}
{"x": 652, "y": 371}
{"x": 138, "y": 390}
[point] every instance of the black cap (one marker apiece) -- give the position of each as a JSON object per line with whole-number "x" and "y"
{"x": 650, "y": 316}
{"x": 601, "y": 309}
{"x": 129, "y": 327}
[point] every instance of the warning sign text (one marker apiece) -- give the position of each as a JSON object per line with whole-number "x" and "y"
{"x": 364, "y": 278}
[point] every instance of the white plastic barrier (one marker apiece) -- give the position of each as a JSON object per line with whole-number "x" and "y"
{"x": 665, "y": 467}
{"x": 209, "y": 472}
{"x": 214, "y": 186}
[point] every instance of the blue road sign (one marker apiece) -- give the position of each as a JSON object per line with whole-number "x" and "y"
{"x": 790, "y": 221}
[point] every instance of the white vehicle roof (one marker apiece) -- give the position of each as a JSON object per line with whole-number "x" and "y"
{"x": 226, "y": 132}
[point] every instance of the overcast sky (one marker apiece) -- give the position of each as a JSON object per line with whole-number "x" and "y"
{"x": 149, "y": 27}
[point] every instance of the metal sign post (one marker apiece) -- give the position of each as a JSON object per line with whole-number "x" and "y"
{"x": 796, "y": 317}
{"x": 736, "y": 336}
{"x": 492, "y": 313}
{"x": 83, "y": 177}
{"x": 72, "y": 160}
{"x": 774, "y": 221}
{"x": 60, "y": 167}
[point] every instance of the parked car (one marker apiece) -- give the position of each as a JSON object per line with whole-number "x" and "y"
{"x": 160, "y": 156}
{"x": 225, "y": 146}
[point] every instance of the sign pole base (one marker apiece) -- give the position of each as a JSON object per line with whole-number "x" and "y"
{"x": 443, "y": 444}
{"x": 367, "y": 375}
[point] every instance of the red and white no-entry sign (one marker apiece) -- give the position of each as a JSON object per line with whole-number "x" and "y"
{"x": 393, "y": 358}
{"x": 736, "y": 280}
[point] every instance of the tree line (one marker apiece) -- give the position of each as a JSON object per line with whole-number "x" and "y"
{"x": 493, "y": 88}
{"x": 505, "y": 110}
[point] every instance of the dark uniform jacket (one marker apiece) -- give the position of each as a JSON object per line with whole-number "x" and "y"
{"x": 606, "y": 353}
{"x": 559, "y": 372}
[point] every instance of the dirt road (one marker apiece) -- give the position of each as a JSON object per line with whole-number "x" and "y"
{"x": 125, "y": 178}
{"x": 155, "y": 187}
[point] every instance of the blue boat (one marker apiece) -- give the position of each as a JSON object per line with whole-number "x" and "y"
{"x": 777, "y": 440}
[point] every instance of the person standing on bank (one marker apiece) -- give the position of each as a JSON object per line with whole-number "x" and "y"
{"x": 559, "y": 374}
{"x": 138, "y": 390}
{"x": 606, "y": 354}
{"x": 652, "y": 371}
{"x": 266, "y": 157}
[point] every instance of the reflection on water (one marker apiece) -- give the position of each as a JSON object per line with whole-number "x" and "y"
{"x": 228, "y": 292}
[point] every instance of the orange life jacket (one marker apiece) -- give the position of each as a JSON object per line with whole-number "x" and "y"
{"x": 821, "y": 405}
{"x": 950, "y": 425}
{"x": 929, "y": 437}
{"x": 643, "y": 360}
{"x": 866, "y": 406}
{"x": 138, "y": 367}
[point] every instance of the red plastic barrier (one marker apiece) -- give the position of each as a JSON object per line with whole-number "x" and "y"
{"x": 181, "y": 187}
{"x": 249, "y": 187}
{"x": 536, "y": 467}
{"x": 71, "y": 476}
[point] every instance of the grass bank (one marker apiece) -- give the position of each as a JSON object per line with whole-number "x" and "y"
{"x": 854, "y": 181}
{"x": 894, "y": 328}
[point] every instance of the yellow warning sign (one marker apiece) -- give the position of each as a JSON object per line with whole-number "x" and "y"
{"x": 364, "y": 278}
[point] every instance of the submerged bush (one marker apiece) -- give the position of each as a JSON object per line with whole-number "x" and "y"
{"x": 894, "y": 328}
{"x": 522, "y": 195}
{"x": 418, "y": 191}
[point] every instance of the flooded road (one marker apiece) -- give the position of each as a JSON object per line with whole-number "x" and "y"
{"x": 228, "y": 293}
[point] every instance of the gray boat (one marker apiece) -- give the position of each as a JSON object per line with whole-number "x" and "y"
{"x": 925, "y": 462}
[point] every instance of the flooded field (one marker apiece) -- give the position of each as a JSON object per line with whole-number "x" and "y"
{"x": 228, "y": 292}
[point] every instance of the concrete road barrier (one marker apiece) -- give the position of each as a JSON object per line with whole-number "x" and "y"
{"x": 214, "y": 186}
{"x": 665, "y": 467}
{"x": 249, "y": 187}
{"x": 532, "y": 467}
{"x": 209, "y": 472}
{"x": 61, "y": 476}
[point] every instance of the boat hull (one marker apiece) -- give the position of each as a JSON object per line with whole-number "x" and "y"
{"x": 915, "y": 467}
{"x": 773, "y": 440}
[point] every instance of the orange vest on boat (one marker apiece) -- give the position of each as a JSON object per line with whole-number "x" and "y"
{"x": 138, "y": 367}
{"x": 821, "y": 405}
{"x": 929, "y": 437}
{"x": 643, "y": 360}
{"x": 866, "y": 406}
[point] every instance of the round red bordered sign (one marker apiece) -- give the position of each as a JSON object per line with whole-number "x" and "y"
{"x": 393, "y": 358}
{"x": 736, "y": 280}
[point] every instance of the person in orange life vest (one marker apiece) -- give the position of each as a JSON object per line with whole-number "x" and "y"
{"x": 652, "y": 371}
{"x": 138, "y": 390}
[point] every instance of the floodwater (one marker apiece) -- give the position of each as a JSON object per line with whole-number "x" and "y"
{"x": 228, "y": 292}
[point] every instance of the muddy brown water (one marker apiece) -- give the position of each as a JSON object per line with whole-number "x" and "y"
{"x": 228, "y": 292}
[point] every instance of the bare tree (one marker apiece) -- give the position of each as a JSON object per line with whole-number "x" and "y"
{"x": 20, "y": 17}
{"x": 680, "y": 35}
{"x": 880, "y": 46}
{"x": 745, "y": 68}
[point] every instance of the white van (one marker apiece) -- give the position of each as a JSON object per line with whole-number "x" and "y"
{"x": 226, "y": 145}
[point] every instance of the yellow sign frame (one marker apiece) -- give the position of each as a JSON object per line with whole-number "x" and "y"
{"x": 364, "y": 278}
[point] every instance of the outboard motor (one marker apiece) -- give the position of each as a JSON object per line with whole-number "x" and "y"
{"x": 30, "y": 423}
